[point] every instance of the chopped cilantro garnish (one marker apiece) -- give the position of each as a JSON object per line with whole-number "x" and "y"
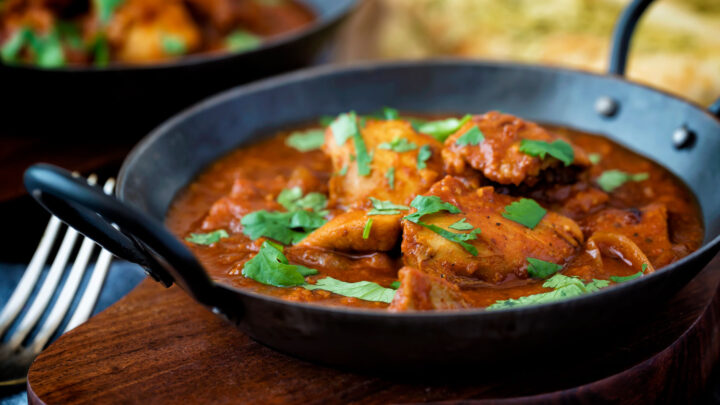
{"x": 423, "y": 155}
{"x": 390, "y": 176}
{"x": 173, "y": 45}
{"x": 472, "y": 137}
{"x": 281, "y": 226}
{"x": 398, "y": 145}
{"x": 344, "y": 127}
{"x": 271, "y": 267}
{"x": 240, "y": 40}
{"x": 644, "y": 266}
{"x": 105, "y": 9}
{"x": 619, "y": 279}
{"x": 326, "y": 120}
{"x": 525, "y": 212}
{"x": 366, "y": 230}
{"x": 364, "y": 290}
{"x": 293, "y": 200}
{"x": 385, "y": 207}
{"x": 12, "y": 47}
{"x": 101, "y": 51}
{"x": 207, "y": 238}
{"x": 427, "y": 205}
{"x": 565, "y": 287}
{"x": 541, "y": 269}
{"x": 70, "y": 34}
{"x": 595, "y": 158}
{"x": 441, "y": 129}
{"x": 461, "y": 225}
{"x": 390, "y": 113}
{"x": 459, "y": 238}
{"x": 305, "y": 141}
{"x": 363, "y": 159}
{"x": 558, "y": 149}
{"x": 395, "y": 285}
{"x": 609, "y": 180}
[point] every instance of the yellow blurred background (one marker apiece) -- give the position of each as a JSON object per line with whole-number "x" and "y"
{"x": 676, "y": 47}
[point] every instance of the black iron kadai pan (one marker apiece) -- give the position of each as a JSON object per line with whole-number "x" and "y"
{"x": 681, "y": 136}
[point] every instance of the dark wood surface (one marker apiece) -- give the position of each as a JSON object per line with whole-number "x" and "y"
{"x": 158, "y": 346}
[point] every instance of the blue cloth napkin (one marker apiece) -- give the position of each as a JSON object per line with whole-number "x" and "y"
{"x": 121, "y": 278}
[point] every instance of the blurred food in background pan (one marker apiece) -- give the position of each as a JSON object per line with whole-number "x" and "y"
{"x": 55, "y": 33}
{"x": 676, "y": 48}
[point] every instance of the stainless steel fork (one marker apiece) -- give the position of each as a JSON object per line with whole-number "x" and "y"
{"x": 16, "y": 350}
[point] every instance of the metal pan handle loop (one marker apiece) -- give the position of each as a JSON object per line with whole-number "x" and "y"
{"x": 140, "y": 238}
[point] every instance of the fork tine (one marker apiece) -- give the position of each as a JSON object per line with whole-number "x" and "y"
{"x": 27, "y": 283}
{"x": 61, "y": 306}
{"x": 48, "y": 287}
{"x": 97, "y": 278}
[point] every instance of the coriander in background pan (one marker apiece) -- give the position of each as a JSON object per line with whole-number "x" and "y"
{"x": 385, "y": 211}
{"x": 56, "y": 33}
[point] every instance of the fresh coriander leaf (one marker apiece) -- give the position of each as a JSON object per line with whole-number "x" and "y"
{"x": 12, "y": 47}
{"x": 395, "y": 285}
{"x": 472, "y": 136}
{"x": 344, "y": 127}
{"x": 619, "y": 279}
{"x": 293, "y": 200}
{"x": 558, "y": 149}
{"x": 352, "y": 157}
{"x": 326, "y": 120}
{"x": 525, "y": 212}
{"x": 366, "y": 230}
{"x": 207, "y": 238}
{"x": 644, "y": 266}
{"x": 70, "y": 34}
{"x": 281, "y": 226}
{"x": 364, "y": 290}
{"x": 343, "y": 170}
{"x": 390, "y": 176}
{"x": 541, "y": 269}
{"x": 441, "y": 129}
{"x": 398, "y": 145}
{"x": 101, "y": 51}
{"x": 427, "y": 205}
{"x": 390, "y": 113}
{"x": 48, "y": 49}
{"x": 385, "y": 207}
{"x": 461, "y": 225}
{"x": 609, "y": 180}
{"x": 595, "y": 158}
{"x": 363, "y": 159}
{"x": 565, "y": 287}
{"x": 105, "y": 9}
{"x": 240, "y": 41}
{"x": 173, "y": 45}
{"x": 271, "y": 267}
{"x": 459, "y": 238}
{"x": 423, "y": 155}
{"x": 305, "y": 141}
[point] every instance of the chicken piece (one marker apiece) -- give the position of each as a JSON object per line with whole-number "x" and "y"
{"x": 244, "y": 198}
{"x": 345, "y": 233}
{"x": 647, "y": 227}
{"x": 352, "y": 189}
{"x": 144, "y": 31}
{"x": 583, "y": 202}
{"x": 498, "y": 156}
{"x": 503, "y": 245}
{"x": 606, "y": 255}
{"x": 422, "y": 292}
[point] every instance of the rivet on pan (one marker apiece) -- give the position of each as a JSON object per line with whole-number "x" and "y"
{"x": 606, "y": 106}
{"x": 683, "y": 137}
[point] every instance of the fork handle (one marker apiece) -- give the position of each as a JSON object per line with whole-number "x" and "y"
{"x": 140, "y": 238}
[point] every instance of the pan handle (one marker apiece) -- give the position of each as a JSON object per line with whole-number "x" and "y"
{"x": 93, "y": 213}
{"x": 622, "y": 35}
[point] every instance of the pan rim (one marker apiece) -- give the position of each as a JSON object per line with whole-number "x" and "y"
{"x": 327, "y": 70}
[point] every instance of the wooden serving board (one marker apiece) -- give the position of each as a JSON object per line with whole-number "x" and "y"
{"x": 158, "y": 346}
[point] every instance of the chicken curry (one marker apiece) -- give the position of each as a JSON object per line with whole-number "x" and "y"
{"x": 403, "y": 213}
{"x": 56, "y": 33}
